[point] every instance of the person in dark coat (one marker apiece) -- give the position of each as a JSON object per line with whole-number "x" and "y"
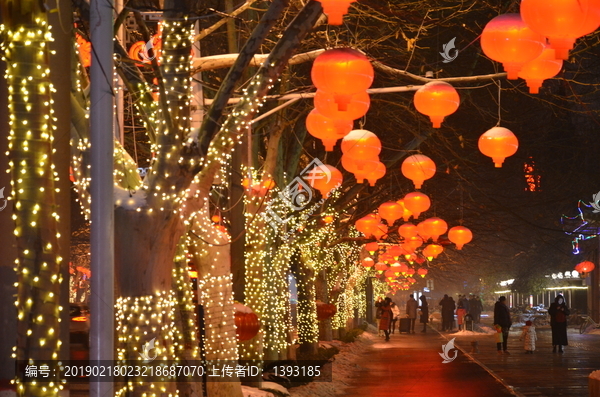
{"x": 386, "y": 317}
{"x": 448, "y": 307}
{"x": 558, "y": 312}
{"x": 475, "y": 308}
{"x": 502, "y": 319}
{"x": 424, "y": 319}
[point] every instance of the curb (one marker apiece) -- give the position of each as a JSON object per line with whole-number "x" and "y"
{"x": 482, "y": 365}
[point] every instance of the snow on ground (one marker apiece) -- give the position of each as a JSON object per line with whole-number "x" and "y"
{"x": 345, "y": 365}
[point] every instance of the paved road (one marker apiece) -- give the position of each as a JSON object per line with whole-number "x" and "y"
{"x": 543, "y": 374}
{"x": 410, "y": 365}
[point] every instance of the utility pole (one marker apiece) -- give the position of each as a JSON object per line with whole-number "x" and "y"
{"x": 102, "y": 191}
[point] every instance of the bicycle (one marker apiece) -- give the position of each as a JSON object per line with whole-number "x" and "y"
{"x": 587, "y": 324}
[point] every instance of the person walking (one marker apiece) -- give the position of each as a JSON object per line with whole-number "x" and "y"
{"x": 411, "y": 312}
{"x": 395, "y": 316}
{"x": 424, "y": 319}
{"x": 448, "y": 307}
{"x": 475, "y": 308}
{"x": 528, "y": 336}
{"x": 461, "y": 311}
{"x": 386, "y": 317}
{"x": 502, "y": 320}
{"x": 558, "y": 312}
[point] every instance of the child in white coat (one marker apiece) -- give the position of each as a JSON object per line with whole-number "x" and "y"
{"x": 529, "y": 337}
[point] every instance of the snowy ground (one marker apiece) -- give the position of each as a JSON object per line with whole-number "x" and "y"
{"x": 345, "y": 365}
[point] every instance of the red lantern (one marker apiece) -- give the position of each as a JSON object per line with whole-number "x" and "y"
{"x": 407, "y": 230}
{"x": 342, "y": 72}
{"x": 435, "y": 227}
{"x": 380, "y": 267}
{"x": 372, "y": 247}
{"x": 422, "y": 272}
{"x": 376, "y": 174}
{"x": 423, "y": 231}
{"x": 561, "y": 21}
{"x": 325, "y": 310}
{"x": 335, "y": 10}
{"x": 367, "y": 224}
{"x": 215, "y": 218}
{"x": 246, "y": 323}
{"x": 357, "y": 106}
{"x": 415, "y": 242}
{"x": 432, "y": 251}
{"x": 395, "y": 251}
{"x": 368, "y": 262}
{"x": 460, "y": 236}
{"x": 326, "y": 129}
{"x": 381, "y": 231}
{"x": 361, "y": 145}
{"x": 406, "y": 214}
{"x": 351, "y": 165}
{"x": 417, "y": 202}
{"x": 390, "y": 274}
{"x": 396, "y": 268}
{"x": 391, "y": 211}
{"x": 84, "y": 48}
{"x": 498, "y": 143}
{"x": 436, "y": 99}
{"x": 541, "y": 68}
{"x": 507, "y": 39}
{"x": 410, "y": 271}
{"x": 418, "y": 168}
{"x": 585, "y": 267}
{"x": 324, "y": 178}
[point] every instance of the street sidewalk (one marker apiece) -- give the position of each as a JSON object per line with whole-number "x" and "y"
{"x": 411, "y": 365}
{"x": 542, "y": 374}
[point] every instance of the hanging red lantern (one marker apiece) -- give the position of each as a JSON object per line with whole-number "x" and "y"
{"x": 351, "y": 165}
{"x": 410, "y": 271}
{"x": 390, "y": 274}
{"x": 376, "y": 174}
{"x": 395, "y": 251}
{"x": 325, "y": 310}
{"x": 368, "y": 262}
{"x": 381, "y": 231}
{"x": 423, "y": 231}
{"x": 498, "y": 143}
{"x": 326, "y": 129}
{"x": 435, "y": 227}
{"x": 415, "y": 242}
{"x": 507, "y": 39}
{"x": 84, "y": 48}
{"x": 328, "y": 219}
{"x": 422, "y": 272}
{"x": 403, "y": 268}
{"x": 335, "y": 10}
{"x": 372, "y": 247}
{"x": 436, "y": 99}
{"x": 417, "y": 202}
{"x": 391, "y": 211}
{"x": 460, "y": 236}
{"x": 585, "y": 267}
{"x": 396, "y": 268}
{"x": 367, "y": 224}
{"x": 418, "y": 168}
{"x": 342, "y": 72}
{"x": 407, "y": 230}
{"x": 411, "y": 280}
{"x": 407, "y": 250}
{"x": 386, "y": 258}
{"x": 406, "y": 214}
{"x": 432, "y": 251}
{"x": 380, "y": 267}
{"x": 561, "y": 21}
{"x": 215, "y": 218}
{"x": 324, "y": 178}
{"x": 246, "y": 322}
{"x": 541, "y": 68}
{"x": 356, "y": 108}
{"x": 361, "y": 145}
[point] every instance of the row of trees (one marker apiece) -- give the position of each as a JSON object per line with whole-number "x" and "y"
{"x": 163, "y": 220}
